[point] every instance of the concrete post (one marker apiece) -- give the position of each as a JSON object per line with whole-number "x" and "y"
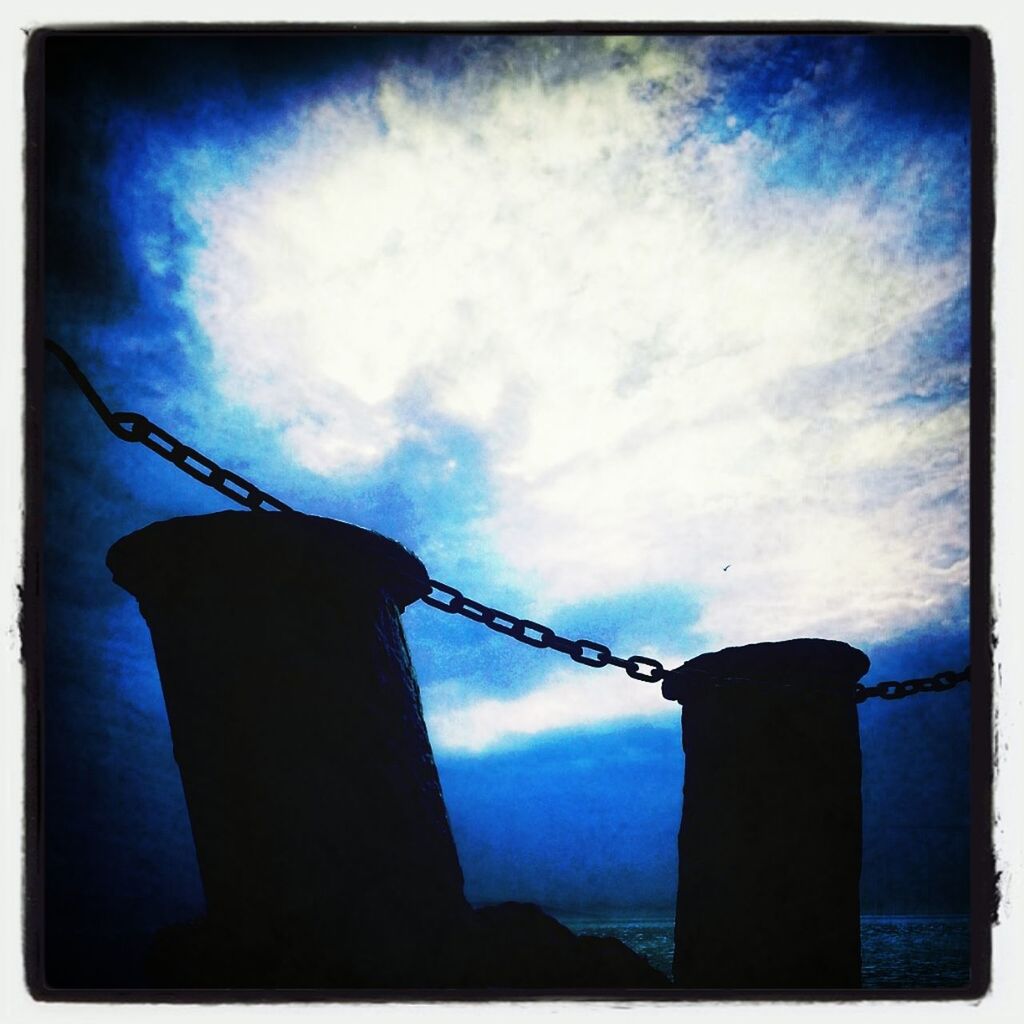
{"x": 321, "y": 832}
{"x": 770, "y": 840}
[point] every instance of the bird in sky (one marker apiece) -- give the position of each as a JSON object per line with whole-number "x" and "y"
{"x": 726, "y": 568}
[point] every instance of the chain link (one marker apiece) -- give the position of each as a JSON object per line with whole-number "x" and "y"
{"x": 132, "y": 426}
{"x": 583, "y": 652}
{"x": 896, "y": 690}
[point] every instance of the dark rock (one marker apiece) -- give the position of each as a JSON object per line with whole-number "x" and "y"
{"x": 507, "y": 946}
{"x": 517, "y": 945}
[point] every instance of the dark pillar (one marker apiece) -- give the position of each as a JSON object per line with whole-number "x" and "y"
{"x": 770, "y": 840}
{"x": 320, "y": 829}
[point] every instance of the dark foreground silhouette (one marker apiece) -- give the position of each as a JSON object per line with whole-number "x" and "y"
{"x": 320, "y": 828}
{"x": 506, "y": 946}
{"x": 770, "y": 840}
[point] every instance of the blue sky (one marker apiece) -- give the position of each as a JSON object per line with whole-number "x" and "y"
{"x": 580, "y": 320}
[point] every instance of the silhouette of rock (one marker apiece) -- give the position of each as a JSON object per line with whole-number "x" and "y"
{"x": 520, "y": 946}
{"x": 506, "y": 946}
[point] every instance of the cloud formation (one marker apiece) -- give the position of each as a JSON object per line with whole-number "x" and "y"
{"x": 566, "y": 699}
{"x": 671, "y": 365}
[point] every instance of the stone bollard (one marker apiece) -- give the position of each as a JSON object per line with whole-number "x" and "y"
{"x": 320, "y": 829}
{"x": 770, "y": 839}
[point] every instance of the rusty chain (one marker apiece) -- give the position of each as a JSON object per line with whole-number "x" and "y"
{"x": 134, "y": 427}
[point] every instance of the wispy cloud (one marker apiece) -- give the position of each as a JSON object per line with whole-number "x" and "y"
{"x": 461, "y": 722}
{"x": 671, "y": 365}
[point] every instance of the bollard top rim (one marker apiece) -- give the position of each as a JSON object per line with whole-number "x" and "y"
{"x": 286, "y": 547}
{"x": 806, "y": 661}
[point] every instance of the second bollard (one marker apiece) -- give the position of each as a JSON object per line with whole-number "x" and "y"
{"x": 770, "y": 839}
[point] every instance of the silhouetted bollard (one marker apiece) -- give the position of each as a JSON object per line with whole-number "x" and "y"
{"x": 321, "y": 833}
{"x": 770, "y": 840}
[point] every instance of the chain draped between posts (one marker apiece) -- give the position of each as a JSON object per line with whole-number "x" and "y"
{"x": 134, "y": 427}
{"x": 583, "y": 652}
{"x": 896, "y": 690}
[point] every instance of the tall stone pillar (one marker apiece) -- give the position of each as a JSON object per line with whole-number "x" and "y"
{"x": 321, "y": 833}
{"x": 770, "y": 840}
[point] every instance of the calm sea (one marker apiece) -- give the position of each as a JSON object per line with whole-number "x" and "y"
{"x": 896, "y": 952}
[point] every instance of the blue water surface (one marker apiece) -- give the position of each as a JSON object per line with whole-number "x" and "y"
{"x": 896, "y": 952}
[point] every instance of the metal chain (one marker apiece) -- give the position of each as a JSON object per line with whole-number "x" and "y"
{"x": 583, "y": 652}
{"x": 131, "y": 426}
{"x": 897, "y": 690}
{"x": 678, "y": 681}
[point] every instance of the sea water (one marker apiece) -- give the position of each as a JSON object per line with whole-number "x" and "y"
{"x": 915, "y": 952}
{"x": 896, "y": 952}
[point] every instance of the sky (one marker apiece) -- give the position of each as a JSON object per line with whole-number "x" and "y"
{"x": 580, "y": 320}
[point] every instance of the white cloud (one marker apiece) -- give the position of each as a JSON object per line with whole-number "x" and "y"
{"x": 670, "y": 367}
{"x": 566, "y": 699}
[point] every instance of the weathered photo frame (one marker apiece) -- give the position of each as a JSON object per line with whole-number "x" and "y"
{"x": 672, "y": 341}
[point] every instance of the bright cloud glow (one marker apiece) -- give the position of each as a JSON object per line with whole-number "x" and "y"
{"x": 671, "y": 367}
{"x": 566, "y": 699}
